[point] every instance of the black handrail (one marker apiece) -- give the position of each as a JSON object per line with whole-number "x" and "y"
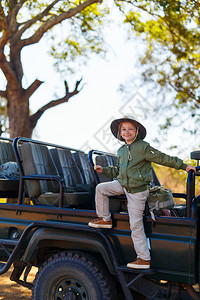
{"x": 49, "y": 177}
{"x": 6, "y": 139}
{"x": 90, "y": 154}
{"x": 58, "y": 178}
{"x": 190, "y": 190}
{"x": 28, "y": 140}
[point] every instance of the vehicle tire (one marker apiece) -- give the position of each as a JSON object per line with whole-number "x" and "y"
{"x": 72, "y": 276}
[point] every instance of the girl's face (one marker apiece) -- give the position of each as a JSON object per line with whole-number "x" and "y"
{"x": 128, "y": 132}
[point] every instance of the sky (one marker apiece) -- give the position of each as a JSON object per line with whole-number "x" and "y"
{"x": 84, "y": 122}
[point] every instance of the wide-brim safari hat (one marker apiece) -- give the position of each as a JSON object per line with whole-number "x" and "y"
{"x": 115, "y": 127}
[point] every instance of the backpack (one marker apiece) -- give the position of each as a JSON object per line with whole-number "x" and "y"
{"x": 160, "y": 198}
{"x": 9, "y": 170}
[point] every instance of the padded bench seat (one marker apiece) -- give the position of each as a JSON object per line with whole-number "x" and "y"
{"x": 37, "y": 160}
{"x": 71, "y": 199}
{"x": 8, "y": 187}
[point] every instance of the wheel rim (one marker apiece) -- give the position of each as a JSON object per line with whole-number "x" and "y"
{"x": 68, "y": 288}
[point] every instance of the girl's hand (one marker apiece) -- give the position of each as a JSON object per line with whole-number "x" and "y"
{"x": 98, "y": 168}
{"x": 188, "y": 168}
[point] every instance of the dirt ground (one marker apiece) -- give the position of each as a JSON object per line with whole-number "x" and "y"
{"x": 10, "y": 290}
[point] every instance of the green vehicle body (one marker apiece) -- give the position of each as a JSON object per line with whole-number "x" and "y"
{"x": 30, "y": 234}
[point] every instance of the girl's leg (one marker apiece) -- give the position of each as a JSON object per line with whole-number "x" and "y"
{"x": 136, "y": 205}
{"x": 103, "y": 191}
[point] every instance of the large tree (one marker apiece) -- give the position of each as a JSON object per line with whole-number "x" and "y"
{"x": 24, "y": 23}
{"x": 170, "y": 62}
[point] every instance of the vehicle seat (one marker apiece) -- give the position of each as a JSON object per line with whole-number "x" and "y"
{"x": 66, "y": 166}
{"x": 37, "y": 160}
{"x": 81, "y": 159}
{"x": 73, "y": 173}
{"x": 6, "y": 152}
{"x": 104, "y": 161}
{"x": 8, "y": 187}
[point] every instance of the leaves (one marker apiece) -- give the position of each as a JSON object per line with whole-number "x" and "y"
{"x": 73, "y": 28}
{"x": 83, "y": 38}
{"x": 171, "y": 61}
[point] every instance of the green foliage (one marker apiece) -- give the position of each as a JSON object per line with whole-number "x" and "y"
{"x": 171, "y": 60}
{"x": 79, "y": 35}
{"x": 81, "y": 39}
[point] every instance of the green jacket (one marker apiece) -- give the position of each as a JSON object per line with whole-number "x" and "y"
{"x": 133, "y": 170}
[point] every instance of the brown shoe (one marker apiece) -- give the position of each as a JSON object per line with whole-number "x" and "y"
{"x": 100, "y": 223}
{"x": 139, "y": 264}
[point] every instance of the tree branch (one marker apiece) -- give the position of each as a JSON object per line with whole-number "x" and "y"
{"x": 35, "y": 117}
{"x": 3, "y": 94}
{"x": 4, "y": 39}
{"x": 32, "y": 21}
{"x": 2, "y": 18}
{"x": 7, "y": 70}
{"x": 35, "y": 38}
{"x": 3, "y": 26}
{"x": 18, "y": 6}
{"x": 32, "y": 88}
{"x": 183, "y": 90}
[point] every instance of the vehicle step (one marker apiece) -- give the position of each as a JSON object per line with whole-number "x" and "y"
{"x": 136, "y": 271}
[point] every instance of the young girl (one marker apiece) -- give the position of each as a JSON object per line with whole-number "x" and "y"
{"x": 133, "y": 173}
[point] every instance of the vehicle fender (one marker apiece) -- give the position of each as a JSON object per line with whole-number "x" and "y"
{"x": 68, "y": 239}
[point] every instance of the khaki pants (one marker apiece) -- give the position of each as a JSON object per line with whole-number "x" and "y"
{"x": 136, "y": 205}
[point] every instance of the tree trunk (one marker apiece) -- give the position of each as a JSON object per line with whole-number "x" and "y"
{"x": 13, "y": 38}
{"x": 18, "y": 113}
